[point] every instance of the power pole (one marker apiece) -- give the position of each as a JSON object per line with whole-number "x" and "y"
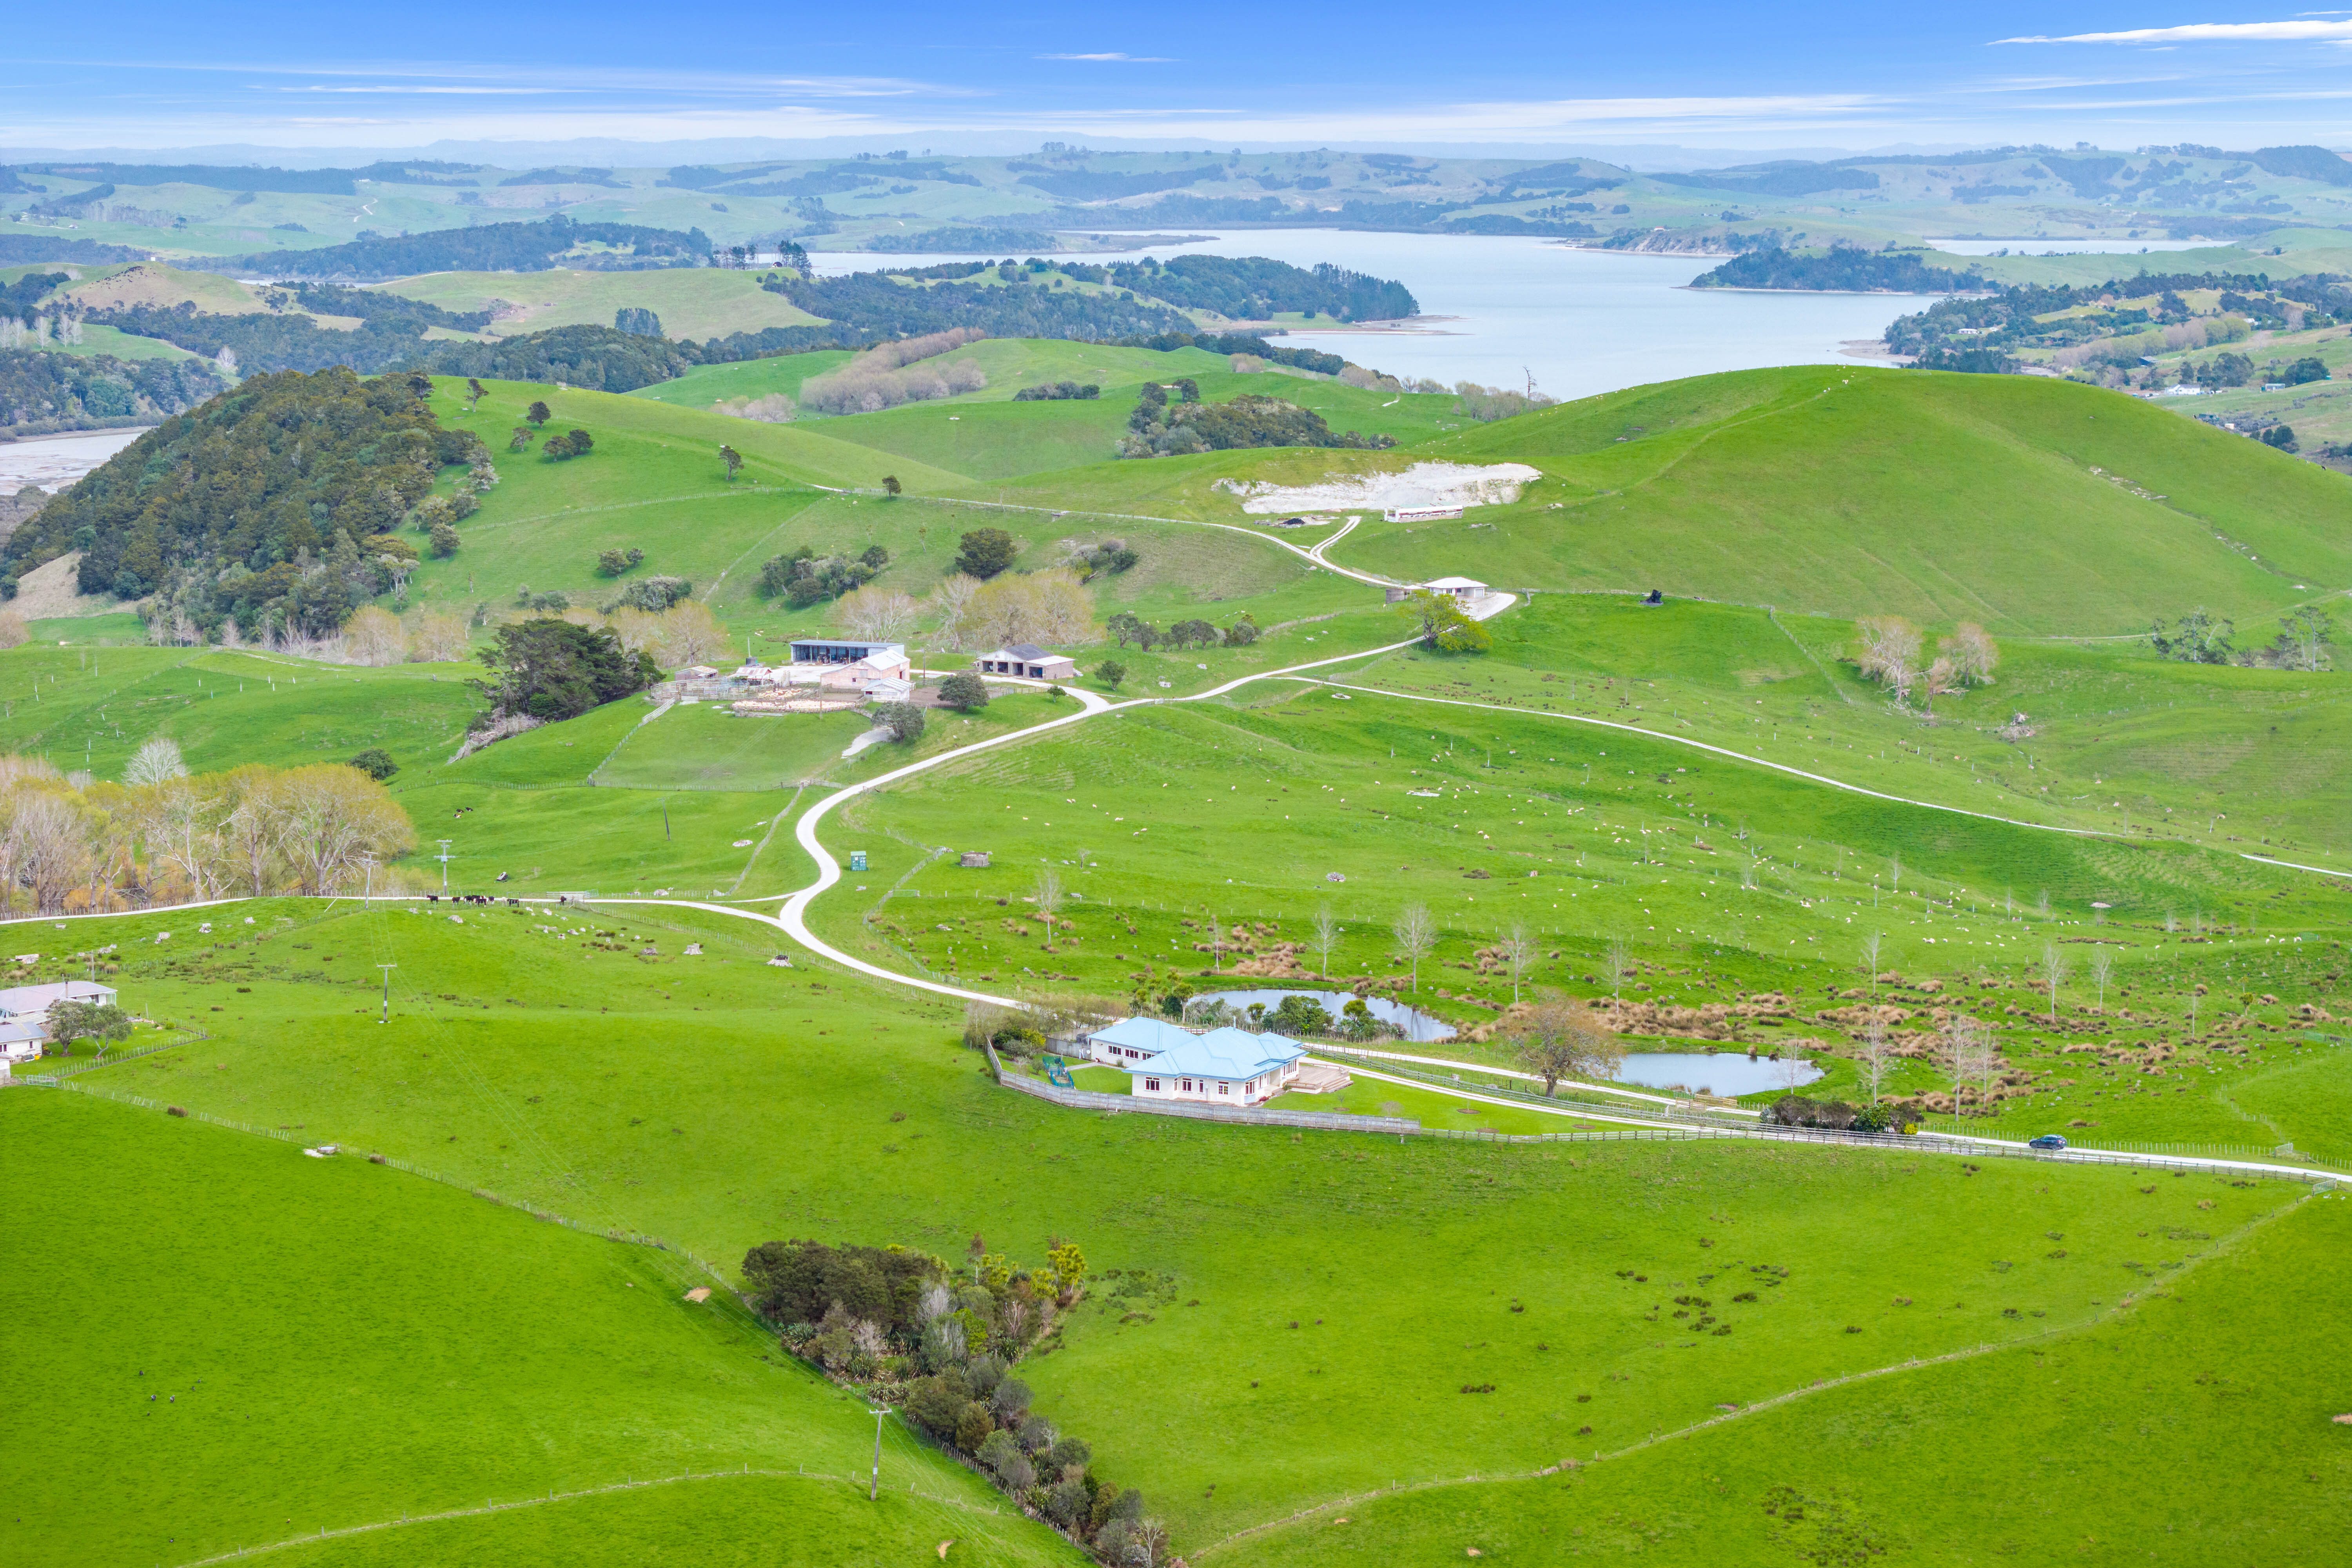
{"x": 444, "y": 858}
{"x": 387, "y": 969}
{"x": 874, "y": 1493}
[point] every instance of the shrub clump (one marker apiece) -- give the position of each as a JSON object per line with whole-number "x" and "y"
{"x": 941, "y": 1345}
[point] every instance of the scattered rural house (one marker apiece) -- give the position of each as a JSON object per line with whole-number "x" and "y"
{"x": 1460, "y": 590}
{"x": 1419, "y": 513}
{"x": 20, "y": 1041}
{"x": 1028, "y": 662}
{"x": 1133, "y": 1040}
{"x": 24, "y": 1012}
{"x": 1224, "y": 1067}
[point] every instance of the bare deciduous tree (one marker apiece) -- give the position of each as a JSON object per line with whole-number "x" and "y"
{"x": 375, "y": 637}
{"x": 439, "y": 638}
{"x": 1870, "y": 946}
{"x": 1616, "y": 962}
{"x": 1049, "y": 901}
{"x": 1519, "y": 951}
{"x": 1328, "y": 932}
{"x": 2101, "y": 963}
{"x": 1971, "y": 651}
{"x": 152, "y": 762}
{"x": 689, "y": 635}
{"x": 1972, "y": 1059}
{"x": 1890, "y": 651}
{"x": 1874, "y": 1057}
{"x": 1560, "y": 1037}
{"x": 2054, "y": 964}
{"x": 52, "y": 846}
{"x": 329, "y": 817}
{"x": 1416, "y": 935}
{"x": 881, "y": 613}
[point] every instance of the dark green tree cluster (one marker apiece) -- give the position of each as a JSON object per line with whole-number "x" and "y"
{"x": 1158, "y": 430}
{"x": 1107, "y": 558}
{"x": 553, "y": 670}
{"x": 1315, "y": 360}
{"x": 1126, "y": 628}
{"x": 42, "y": 392}
{"x": 1253, "y": 286}
{"x": 2196, "y": 638}
{"x": 1845, "y": 269}
{"x": 377, "y": 305}
{"x": 637, "y": 321}
{"x": 613, "y": 563}
{"x": 1057, "y": 391}
{"x": 533, "y": 246}
{"x": 796, "y": 1281}
{"x": 264, "y": 341}
{"x": 802, "y": 577}
{"x": 258, "y": 498}
{"x": 866, "y": 306}
{"x": 16, "y": 249}
{"x": 18, "y": 298}
{"x": 985, "y": 552}
{"x": 600, "y": 359}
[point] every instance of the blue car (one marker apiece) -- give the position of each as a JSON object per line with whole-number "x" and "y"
{"x": 2048, "y": 1141}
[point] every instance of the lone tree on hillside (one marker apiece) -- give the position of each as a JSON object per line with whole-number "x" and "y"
{"x": 1110, "y": 672}
{"x": 376, "y": 763}
{"x": 2101, "y": 963}
{"x": 1874, "y": 1057}
{"x": 963, "y": 691}
{"x": 1049, "y": 901}
{"x": 1616, "y": 962}
{"x": 890, "y": 485}
{"x": 2054, "y": 964}
{"x": 474, "y": 392}
{"x": 904, "y": 721}
{"x": 733, "y": 460}
{"x": 985, "y": 552}
{"x": 1328, "y": 932}
{"x": 538, "y": 414}
{"x": 1518, "y": 950}
{"x": 1559, "y": 1037}
{"x": 1415, "y": 934}
{"x": 1445, "y": 627}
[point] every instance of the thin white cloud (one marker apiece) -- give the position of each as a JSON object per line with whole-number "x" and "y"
{"x": 2208, "y": 32}
{"x": 1123, "y": 59}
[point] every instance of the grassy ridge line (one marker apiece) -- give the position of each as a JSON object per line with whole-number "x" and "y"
{"x": 2124, "y": 1306}
{"x": 1798, "y": 773}
{"x": 345, "y": 1532}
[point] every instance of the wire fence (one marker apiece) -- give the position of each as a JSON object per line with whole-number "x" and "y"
{"x": 1665, "y": 1132}
{"x": 723, "y": 1292}
{"x": 1693, "y": 1115}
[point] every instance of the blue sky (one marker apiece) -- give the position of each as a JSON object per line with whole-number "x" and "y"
{"x": 1209, "y": 74}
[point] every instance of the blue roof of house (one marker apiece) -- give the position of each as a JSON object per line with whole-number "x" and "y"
{"x": 1230, "y": 1054}
{"x": 1142, "y": 1034}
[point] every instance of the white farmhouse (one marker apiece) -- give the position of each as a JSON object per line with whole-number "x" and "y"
{"x": 24, "y": 1012}
{"x": 1224, "y": 1067}
{"x": 1133, "y": 1040}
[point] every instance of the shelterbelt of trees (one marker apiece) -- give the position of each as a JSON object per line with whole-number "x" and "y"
{"x": 73, "y": 844}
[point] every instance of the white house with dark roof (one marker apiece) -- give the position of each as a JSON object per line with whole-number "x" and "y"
{"x": 1224, "y": 1067}
{"x": 1027, "y": 661}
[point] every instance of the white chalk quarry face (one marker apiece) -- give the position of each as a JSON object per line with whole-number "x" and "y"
{"x": 1422, "y": 485}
